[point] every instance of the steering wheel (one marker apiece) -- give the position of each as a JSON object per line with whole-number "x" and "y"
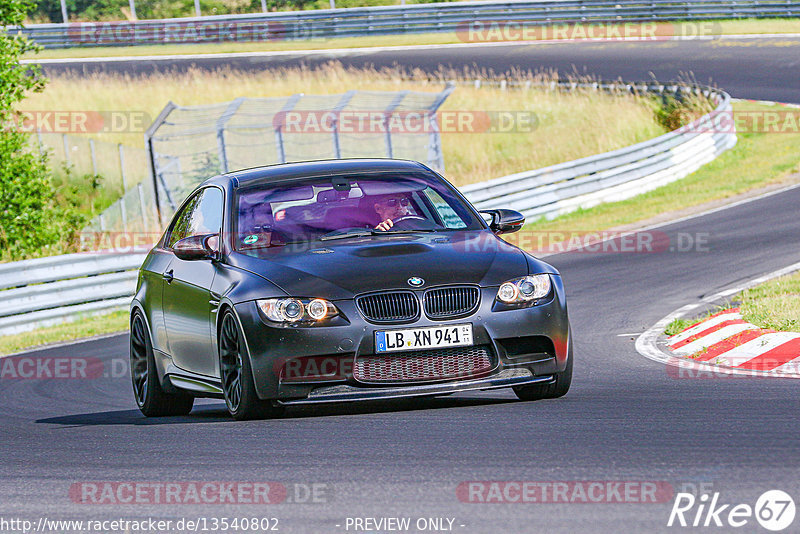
{"x": 408, "y": 218}
{"x": 407, "y": 222}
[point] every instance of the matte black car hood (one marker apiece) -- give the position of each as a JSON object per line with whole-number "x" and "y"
{"x": 340, "y": 269}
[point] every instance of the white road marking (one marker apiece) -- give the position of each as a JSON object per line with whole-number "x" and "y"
{"x": 705, "y": 325}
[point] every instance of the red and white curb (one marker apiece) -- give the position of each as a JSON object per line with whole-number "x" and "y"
{"x": 726, "y": 339}
{"x": 724, "y": 344}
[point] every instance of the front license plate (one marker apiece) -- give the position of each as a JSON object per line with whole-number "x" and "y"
{"x": 433, "y": 337}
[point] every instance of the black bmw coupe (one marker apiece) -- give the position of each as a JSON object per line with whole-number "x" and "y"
{"x": 341, "y": 280}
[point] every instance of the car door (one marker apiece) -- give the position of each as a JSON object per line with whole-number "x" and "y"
{"x": 189, "y": 309}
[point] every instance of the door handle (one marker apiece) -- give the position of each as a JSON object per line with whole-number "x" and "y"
{"x": 168, "y": 276}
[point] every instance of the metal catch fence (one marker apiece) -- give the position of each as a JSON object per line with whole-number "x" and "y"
{"x": 188, "y": 144}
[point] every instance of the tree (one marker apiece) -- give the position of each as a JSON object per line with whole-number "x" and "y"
{"x": 29, "y": 218}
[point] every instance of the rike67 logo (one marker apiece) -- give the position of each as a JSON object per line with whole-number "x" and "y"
{"x": 774, "y": 510}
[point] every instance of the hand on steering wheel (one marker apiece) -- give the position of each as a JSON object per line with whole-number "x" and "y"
{"x": 388, "y": 223}
{"x": 408, "y": 218}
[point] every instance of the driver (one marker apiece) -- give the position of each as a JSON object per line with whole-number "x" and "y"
{"x": 390, "y": 208}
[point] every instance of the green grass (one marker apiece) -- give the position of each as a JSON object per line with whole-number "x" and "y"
{"x": 757, "y": 160}
{"x": 682, "y": 323}
{"x": 81, "y": 328}
{"x": 774, "y": 304}
{"x": 723, "y": 27}
{"x": 679, "y": 325}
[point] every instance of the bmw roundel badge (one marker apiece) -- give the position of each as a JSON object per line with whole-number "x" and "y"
{"x": 416, "y": 281}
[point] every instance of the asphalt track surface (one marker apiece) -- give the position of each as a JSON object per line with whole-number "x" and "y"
{"x": 747, "y": 68}
{"x": 625, "y": 419}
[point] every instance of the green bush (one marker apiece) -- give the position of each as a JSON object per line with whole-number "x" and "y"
{"x": 31, "y": 221}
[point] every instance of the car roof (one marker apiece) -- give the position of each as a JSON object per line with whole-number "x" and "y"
{"x": 290, "y": 171}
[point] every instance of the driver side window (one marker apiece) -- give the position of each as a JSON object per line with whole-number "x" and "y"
{"x": 201, "y": 215}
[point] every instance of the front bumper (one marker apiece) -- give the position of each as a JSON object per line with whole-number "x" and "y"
{"x": 271, "y": 347}
{"x": 345, "y": 393}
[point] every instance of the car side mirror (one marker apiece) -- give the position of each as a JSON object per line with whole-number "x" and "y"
{"x": 196, "y": 247}
{"x": 505, "y": 221}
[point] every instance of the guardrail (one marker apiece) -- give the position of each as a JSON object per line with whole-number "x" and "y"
{"x": 387, "y": 20}
{"x": 616, "y": 175}
{"x": 42, "y": 292}
{"x": 47, "y": 291}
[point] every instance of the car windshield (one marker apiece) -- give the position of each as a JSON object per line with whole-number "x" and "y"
{"x": 347, "y": 206}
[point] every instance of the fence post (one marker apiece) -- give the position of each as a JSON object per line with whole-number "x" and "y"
{"x": 435, "y": 156}
{"x": 151, "y": 155}
{"x": 123, "y": 214}
{"x": 263, "y": 6}
{"x": 39, "y": 139}
{"x": 386, "y": 115}
{"x": 122, "y": 166}
{"x": 64, "y": 15}
{"x": 94, "y": 157}
{"x": 230, "y": 111}
{"x": 278, "y": 125}
{"x": 102, "y": 220}
{"x": 197, "y": 7}
{"x": 132, "y": 4}
{"x": 337, "y": 149}
{"x": 143, "y": 208}
{"x": 66, "y": 149}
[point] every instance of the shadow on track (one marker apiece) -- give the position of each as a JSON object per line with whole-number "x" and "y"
{"x": 216, "y": 413}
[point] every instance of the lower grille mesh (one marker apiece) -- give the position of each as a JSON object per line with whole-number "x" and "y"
{"x": 434, "y": 364}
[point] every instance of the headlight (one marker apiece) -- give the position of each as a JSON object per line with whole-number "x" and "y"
{"x": 525, "y": 289}
{"x": 294, "y": 310}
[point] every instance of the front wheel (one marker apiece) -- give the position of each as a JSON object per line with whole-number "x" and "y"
{"x": 552, "y": 390}
{"x": 237, "y": 376}
{"x": 150, "y": 397}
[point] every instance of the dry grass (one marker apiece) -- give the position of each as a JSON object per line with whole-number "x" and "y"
{"x": 570, "y": 124}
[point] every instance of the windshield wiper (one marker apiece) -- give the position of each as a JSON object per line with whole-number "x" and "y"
{"x": 354, "y": 233}
{"x": 408, "y": 231}
{"x": 371, "y": 232}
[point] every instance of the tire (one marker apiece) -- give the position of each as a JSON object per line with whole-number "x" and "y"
{"x": 236, "y": 376}
{"x": 552, "y": 390}
{"x": 150, "y": 397}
